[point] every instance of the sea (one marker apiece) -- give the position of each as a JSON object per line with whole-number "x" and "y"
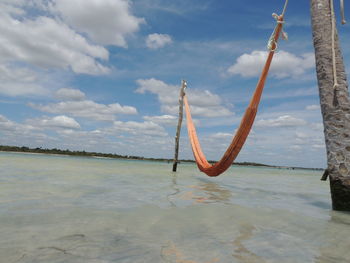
{"x": 64, "y": 209}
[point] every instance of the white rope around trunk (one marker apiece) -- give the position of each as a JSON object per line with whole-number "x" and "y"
{"x": 343, "y": 21}
{"x": 335, "y": 79}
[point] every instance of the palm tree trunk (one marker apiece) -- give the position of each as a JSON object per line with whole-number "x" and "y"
{"x": 335, "y": 104}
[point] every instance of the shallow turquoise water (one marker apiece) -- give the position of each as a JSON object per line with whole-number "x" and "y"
{"x": 72, "y": 209}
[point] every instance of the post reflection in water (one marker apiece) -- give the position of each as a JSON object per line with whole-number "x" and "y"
{"x": 175, "y": 187}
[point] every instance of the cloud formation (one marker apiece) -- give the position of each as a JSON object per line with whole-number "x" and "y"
{"x": 69, "y": 94}
{"x": 106, "y": 22}
{"x": 203, "y": 103}
{"x": 14, "y": 128}
{"x": 284, "y": 64}
{"x": 6, "y": 124}
{"x": 47, "y": 43}
{"x": 313, "y": 107}
{"x": 21, "y": 81}
{"x": 170, "y": 120}
{"x": 281, "y": 121}
{"x": 58, "y": 36}
{"x": 155, "y": 41}
{"x": 137, "y": 128}
{"x": 57, "y": 122}
{"x": 86, "y": 109}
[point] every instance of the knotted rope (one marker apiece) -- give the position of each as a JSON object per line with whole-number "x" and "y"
{"x": 334, "y": 61}
{"x": 272, "y": 43}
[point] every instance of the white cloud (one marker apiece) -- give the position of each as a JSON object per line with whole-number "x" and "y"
{"x": 202, "y": 111}
{"x": 168, "y": 120}
{"x": 296, "y": 147}
{"x": 317, "y": 127}
{"x": 290, "y": 93}
{"x": 155, "y": 41}
{"x": 163, "y": 119}
{"x": 6, "y": 124}
{"x": 127, "y": 138}
{"x": 13, "y": 133}
{"x": 137, "y": 128}
{"x": 40, "y": 38}
{"x": 309, "y": 137}
{"x": 11, "y": 7}
{"x": 284, "y": 64}
{"x": 203, "y": 103}
{"x": 2, "y": 118}
{"x": 69, "y": 94}
{"x": 60, "y": 122}
{"x": 106, "y": 22}
{"x": 12, "y": 128}
{"x": 33, "y": 50}
{"x": 222, "y": 135}
{"x": 86, "y": 109}
{"x": 131, "y": 138}
{"x": 319, "y": 146}
{"x": 313, "y": 107}
{"x": 302, "y": 135}
{"x": 48, "y": 43}
{"x": 282, "y": 121}
{"x": 20, "y": 82}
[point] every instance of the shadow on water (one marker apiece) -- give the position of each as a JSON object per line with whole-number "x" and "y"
{"x": 320, "y": 204}
{"x": 336, "y": 240}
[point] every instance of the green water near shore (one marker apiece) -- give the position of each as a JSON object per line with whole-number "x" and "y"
{"x": 73, "y": 209}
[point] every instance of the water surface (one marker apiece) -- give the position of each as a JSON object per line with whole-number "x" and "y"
{"x": 61, "y": 209}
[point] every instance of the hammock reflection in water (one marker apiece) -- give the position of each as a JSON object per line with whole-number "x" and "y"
{"x": 207, "y": 193}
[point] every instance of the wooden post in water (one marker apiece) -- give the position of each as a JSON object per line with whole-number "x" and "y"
{"x": 178, "y": 130}
{"x": 334, "y": 100}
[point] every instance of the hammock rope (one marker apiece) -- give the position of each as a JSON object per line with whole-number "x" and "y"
{"x": 334, "y": 62}
{"x": 343, "y": 21}
{"x": 334, "y": 65}
{"x": 247, "y": 120}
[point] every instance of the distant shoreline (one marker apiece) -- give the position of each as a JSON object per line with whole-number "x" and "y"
{"x": 24, "y": 149}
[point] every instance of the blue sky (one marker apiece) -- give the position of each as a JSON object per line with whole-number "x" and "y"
{"x": 104, "y": 75}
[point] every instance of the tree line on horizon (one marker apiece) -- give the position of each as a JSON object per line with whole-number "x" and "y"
{"x": 6, "y": 148}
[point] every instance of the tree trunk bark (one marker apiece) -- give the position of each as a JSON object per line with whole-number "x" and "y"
{"x": 335, "y": 104}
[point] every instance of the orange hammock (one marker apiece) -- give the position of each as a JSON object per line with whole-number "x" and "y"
{"x": 245, "y": 125}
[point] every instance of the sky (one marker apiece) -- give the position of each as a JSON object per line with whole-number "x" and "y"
{"x": 104, "y": 75}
